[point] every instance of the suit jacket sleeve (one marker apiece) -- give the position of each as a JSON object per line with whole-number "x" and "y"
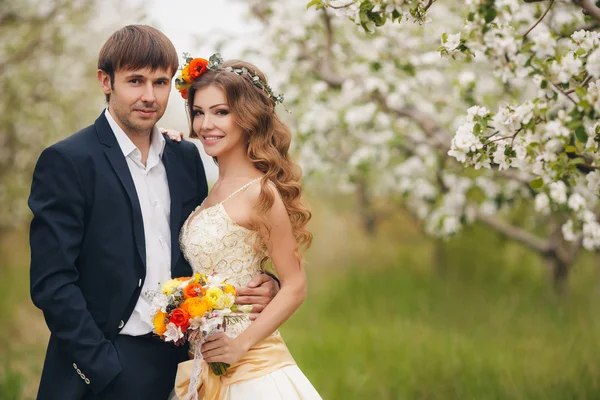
{"x": 58, "y": 205}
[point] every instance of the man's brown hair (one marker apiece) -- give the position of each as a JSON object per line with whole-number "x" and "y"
{"x": 136, "y": 47}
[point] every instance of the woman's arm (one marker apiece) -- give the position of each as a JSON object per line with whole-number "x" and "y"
{"x": 281, "y": 246}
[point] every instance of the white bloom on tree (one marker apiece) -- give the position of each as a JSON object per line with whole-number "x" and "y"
{"x": 593, "y": 95}
{"x": 593, "y": 64}
{"x": 591, "y": 235}
{"x": 567, "y": 231}
{"x": 477, "y": 111}
{"x": 542, "y": 203}
{"x": 576, "y": 202}
{"x": 544, "y": 44}
{"x": 558, "y": 192}
{"x": 593, "y": 181}
{"x": 569, "y": 66}
{"x": 452, "y": 42}
{"x": 556, "y": 129}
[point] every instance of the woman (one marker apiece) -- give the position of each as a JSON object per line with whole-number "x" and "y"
{"x": 253, "y": 215}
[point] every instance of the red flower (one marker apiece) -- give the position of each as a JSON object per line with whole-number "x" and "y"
{"x": 197, "y": 67}
{"x": 181, "y": 318}
{"x": 184, "y": 93}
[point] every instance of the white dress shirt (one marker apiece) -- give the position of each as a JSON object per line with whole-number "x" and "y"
{"x": 152, "y": 189}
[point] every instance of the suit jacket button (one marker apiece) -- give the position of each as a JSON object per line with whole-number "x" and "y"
{"x": 121, "y": 324}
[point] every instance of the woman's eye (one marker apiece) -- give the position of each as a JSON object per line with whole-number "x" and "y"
{"x": 222, "y": 112}
{"x": 197, "y": 113}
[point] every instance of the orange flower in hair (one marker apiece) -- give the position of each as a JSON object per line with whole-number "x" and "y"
{"x": 197, "y": 67}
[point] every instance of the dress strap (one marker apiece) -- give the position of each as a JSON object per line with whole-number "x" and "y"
{"x": 240, "y": 189}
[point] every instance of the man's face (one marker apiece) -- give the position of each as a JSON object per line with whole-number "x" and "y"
{"x": 138, "y": 98}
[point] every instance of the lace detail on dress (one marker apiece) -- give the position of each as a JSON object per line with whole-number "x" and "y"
{"x": 215, "y": 244}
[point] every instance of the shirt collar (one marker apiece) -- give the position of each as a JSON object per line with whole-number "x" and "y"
{"x": 157, "y": 141}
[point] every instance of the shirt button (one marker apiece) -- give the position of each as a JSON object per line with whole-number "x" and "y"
{"x": 87, "y": 381}
{"x": 74, "y": 365}
{"x": 140, "y": 283}
{"x": 121, "y": 324}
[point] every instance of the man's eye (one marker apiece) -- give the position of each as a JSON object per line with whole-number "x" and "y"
{"x": 134, "y": 81}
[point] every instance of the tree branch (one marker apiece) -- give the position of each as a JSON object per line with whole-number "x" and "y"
{"x": 589, "y": 8}
{"x": 539, "y": 19}
{"x": 512, "y": 232}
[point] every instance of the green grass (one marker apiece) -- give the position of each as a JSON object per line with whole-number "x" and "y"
{"x": 382, "y": 321}
{"x": 491, "y": 327}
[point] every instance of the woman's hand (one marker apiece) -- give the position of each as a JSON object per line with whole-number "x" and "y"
{"x": 172, "y": 134}
{"x": 221, "y": 348}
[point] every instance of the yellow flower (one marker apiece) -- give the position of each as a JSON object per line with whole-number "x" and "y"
{"x": 185, "y": 74}
{"x": 228, "y": 300}
{"x": 159, "y": 322}
{"x": 169, "y": 286}
{"x": 215, "y": 298}
{"x": 195, "y": 306}
{"x": 229, "y": 289}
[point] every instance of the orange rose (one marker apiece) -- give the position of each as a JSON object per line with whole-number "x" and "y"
{"x": 193, "y": 290}
{"x": 180, "y": 318}
{"x": 183, "y": 278}
{"x": 197, "y": 67}
{"x": 195, "y": 306}
{"x": 159, "y": 323}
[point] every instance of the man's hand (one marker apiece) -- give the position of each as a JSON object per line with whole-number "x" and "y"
{"x": 259, "y": 293}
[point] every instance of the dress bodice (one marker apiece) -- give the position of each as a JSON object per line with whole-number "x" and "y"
{"x": 213, "y": 243}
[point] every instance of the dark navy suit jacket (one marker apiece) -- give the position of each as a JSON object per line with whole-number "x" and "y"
{"x": 88, "y": 253}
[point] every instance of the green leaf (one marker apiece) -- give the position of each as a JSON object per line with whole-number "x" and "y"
{"x": 537, "y": 183}
{"x": 574, "y": 124}
{"x": 544, "y": 84}
{"x": 577, "y": 160}
{"x": 313, "y": 3}
{"x": 477, "y": 129}
{"x": 571, "y": 149}
{"x": 581, "y": 134}
{"x": 581, "y": 92}
{"x": 490, "y": 15}
{"x": 444, "y": 37}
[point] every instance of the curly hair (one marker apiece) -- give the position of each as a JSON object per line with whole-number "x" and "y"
{"x": 267, "y": 147}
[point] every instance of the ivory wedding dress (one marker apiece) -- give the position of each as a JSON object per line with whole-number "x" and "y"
{"x": 215, "y": 244}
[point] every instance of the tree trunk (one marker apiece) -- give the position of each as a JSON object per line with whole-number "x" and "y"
{"x": 440, "y": 264}
{"x": 559, "y": 270}
{"x": 368, "y": 217}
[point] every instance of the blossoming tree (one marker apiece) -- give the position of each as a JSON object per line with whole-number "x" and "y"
{"x": 506, "y": 88}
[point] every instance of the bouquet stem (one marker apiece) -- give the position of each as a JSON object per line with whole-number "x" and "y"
{"x": 219, "y": 368}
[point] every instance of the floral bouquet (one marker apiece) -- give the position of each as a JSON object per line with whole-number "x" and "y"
{"x": 193, "y": 308}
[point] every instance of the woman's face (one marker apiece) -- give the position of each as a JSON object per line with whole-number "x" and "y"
{"x": 214, "y": 123}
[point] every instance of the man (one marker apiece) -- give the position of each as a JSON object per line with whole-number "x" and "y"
{"x": 108, "y": 204}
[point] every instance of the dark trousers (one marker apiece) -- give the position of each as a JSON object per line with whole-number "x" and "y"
{"x": 149, "y": 369}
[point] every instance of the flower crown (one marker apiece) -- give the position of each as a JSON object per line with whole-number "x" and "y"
{"x": 195, "y": 67}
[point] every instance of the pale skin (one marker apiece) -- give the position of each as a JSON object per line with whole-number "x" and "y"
{"x": 223, "y": 138}
{"x": 138, "y": 99}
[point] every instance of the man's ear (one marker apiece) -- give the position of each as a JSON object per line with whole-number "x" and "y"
{"x": 104, "y": 80}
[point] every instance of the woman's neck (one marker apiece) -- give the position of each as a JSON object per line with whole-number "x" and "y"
{"x": 236, "y": 165}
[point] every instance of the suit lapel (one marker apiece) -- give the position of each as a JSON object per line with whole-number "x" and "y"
{"x": 174, "y": 173}
{"x": 119, "y": 164}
